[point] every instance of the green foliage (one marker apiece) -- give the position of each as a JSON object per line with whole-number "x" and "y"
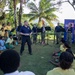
{"x": 2, "y": 4}
{"x": 45, "y": 11}
{"x": 3, "y": 16}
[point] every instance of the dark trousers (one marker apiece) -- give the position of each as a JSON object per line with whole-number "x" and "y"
{"x": 34, "y": 38}
{"x": 24, "y": 40}
{"x": 43, "y": 37}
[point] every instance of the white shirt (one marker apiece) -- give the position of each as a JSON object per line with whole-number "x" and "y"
{"x": 9, "y": 40}
{"x": 21, "y": 73}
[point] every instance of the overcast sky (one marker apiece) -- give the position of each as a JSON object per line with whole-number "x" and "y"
{"x": 67, "y": 12}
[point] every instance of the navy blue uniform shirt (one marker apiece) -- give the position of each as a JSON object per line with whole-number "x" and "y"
{"x": 26, "y": 30}
{"x": 34, "y": 29}
{"x": 58, "y": 28}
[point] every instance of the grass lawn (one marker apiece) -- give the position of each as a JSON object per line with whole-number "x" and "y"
{"x": 39, "y": 61}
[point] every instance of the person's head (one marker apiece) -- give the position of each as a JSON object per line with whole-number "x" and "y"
{"x": 3, "y": 24}
{"x": 34, "y": 25}
{"x": 65, "y": 60}
{"x": 62, "y": 40}
{"x": 66, "y": 45}
{"x": 6, "y": 31}
{"x": 0, "y": 37}
{"x": 70, "y": 25}
{"x": 26, "y": 23}
{"x": 58, "y": 24}
{"x": 2, "y": 29}
{"x": 8, "y": 23}
{"x": 9, "y": 61}
{"x": 10, "y": 36}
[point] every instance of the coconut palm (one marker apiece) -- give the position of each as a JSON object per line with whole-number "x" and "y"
{"x": 44, "y": 10}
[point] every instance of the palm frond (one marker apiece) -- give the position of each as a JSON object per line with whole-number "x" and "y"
{"x": 34, "y": 17}
{"x": 32, "y": 6}
{"x": 44, "y": 4}
{"x": 50, "y": 10}
{"x": 50, "y": 23}
{"x": 28, "y": 15}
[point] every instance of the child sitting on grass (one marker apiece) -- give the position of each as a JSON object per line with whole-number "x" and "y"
{"x": 61, "y": 48}
{"x": 67, "y": 48}
{"x": 9, "y": 42}
{"x": 2, "y": 44}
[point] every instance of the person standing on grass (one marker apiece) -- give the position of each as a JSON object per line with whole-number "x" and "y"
{"x": 34, "y": 31}
{"x": 43, "y": 30}
{"x": 69, "y": 34}
{"x": 26, "y": 32}
{"x": 9, "y": 63}
{"x": 58, "y": 33}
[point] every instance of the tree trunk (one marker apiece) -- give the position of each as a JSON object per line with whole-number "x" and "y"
{"x": 14, "y": 2}
{"x": 20, "y": 12}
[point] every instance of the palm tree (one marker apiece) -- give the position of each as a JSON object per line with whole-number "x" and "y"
{"x": 45, "y": 11}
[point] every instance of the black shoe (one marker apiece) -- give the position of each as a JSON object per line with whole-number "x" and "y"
{"x": 30, "y": 53}
{"x": 20, "y": 54}
{"x": 57, "y": 43}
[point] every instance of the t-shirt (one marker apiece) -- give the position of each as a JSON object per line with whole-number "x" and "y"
{"x": 2, "y": 46}
{"x": 9, "y": 40}
{"x": 58, "y": 28}
{"x": 21, "y": 73}
{"x": 2, "y": 33}
{"x": 59, "y": 71}
{"x": 62, "y": 48}
{"x": 8, "y": 27}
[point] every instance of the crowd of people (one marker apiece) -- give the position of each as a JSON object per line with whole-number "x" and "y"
{"x": 10, "y": 59}
{"x": 6, "y": 38}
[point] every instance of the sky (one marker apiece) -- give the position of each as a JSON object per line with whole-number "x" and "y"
{"x": 66, "y": 11}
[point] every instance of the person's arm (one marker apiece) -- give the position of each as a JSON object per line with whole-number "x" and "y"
{"x": 21, "y": 32}
{"x": 7, "y": 41}
{"x": 24, "y": 33}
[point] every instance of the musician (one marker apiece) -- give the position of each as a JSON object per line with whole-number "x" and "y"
{"x": 26, "y": 32}
{"x": 69, "y": 34}
{"x": 34, "y": 31}
{"x": 43, "y": 30}
{"x": 58, "y": 33}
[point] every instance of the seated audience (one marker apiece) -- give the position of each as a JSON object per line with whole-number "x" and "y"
{"x": 2, "y": 32}
{"x": 6, "y": 35}
{"x": 9, "y": 42}
{"x": 62, "y": 49}
{"x": 65, "y": 62}
{"x": 67, "y": 48}
{"x": 2, "y": 44}
{"x": 9, "y": 63}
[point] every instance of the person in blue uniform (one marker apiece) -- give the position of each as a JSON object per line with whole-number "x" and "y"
{"x": 26, "y": 32}
{"x": 58, "y": 33}
{"x": 69, "y": 34}
{"x": 34, "y": 31}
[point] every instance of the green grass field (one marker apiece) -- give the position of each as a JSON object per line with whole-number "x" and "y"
{"x": 39, "y": 61}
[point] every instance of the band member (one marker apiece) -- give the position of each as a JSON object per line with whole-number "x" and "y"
{"x": 34, "y": 30}
{"x": 58, "y": 33}
{"x": 26, "y": 32}
{"x": 43, "y": 34}
{"x": 69, "y": 34}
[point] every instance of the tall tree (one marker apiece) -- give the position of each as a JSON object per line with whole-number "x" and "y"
{"x": 44, "y": 10}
